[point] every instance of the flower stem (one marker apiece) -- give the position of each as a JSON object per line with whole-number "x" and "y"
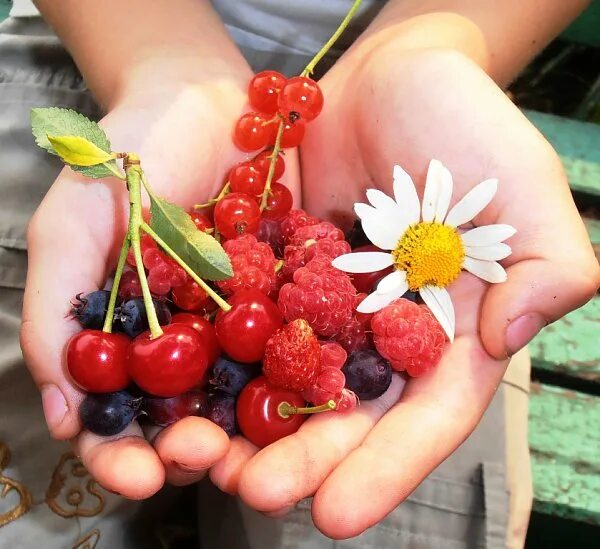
{"x": 134, "y": 175}
{"x": 311, "y": 66}
{"x": 216, "y": 297}
{"x": 274, "y": 155}
{"x": 114, "y": 291}
{"x": 285, "y": 409}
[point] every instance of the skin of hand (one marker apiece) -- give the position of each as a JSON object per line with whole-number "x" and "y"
{"x": 183, "y": 137}
{"x": 392, "y": 106}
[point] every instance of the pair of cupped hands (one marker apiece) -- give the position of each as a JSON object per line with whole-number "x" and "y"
{"x": 381, "y": 109}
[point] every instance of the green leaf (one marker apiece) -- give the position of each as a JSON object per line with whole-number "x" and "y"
{"x": 79, "y": 151}
{"x": 202, "y": 253}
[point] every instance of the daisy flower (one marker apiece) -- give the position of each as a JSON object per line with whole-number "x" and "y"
{"x": 425, "y": 245}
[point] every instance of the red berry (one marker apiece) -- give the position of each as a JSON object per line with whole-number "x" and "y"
{"x": 252, "y": 132}
{"x": 333, "y": 355}
{"x": 269, "y": 231}
{"x": 292, "y": 357}
{"x": 301, "y": 95}
{"x": 279, "y": 202}
{"x": 146, "y": 243}
{"x": 243, "y": 331}
{"x": 317, "y": 396}
{"x": 292, "y": 136}
{"x": 97, "y": 361}
{"x": 206, "y": 331}
{"x": 245, "y": 178}
{"x": 201, "y": 221}
{"x": 316, "y": 232}
{"x": 298, "y": 256}
{"x": 293, "y": 221}
{"x": 130, "y": 285}
{"x": 190, "y": 297}
{"x": 262, "y": 162}
{"x": 170, "y": 364}
{"x": 237, "y": 214}
{"x": 258, "y": 412}
{"x": 331, "y": 379}
{"x": 159, "y": 278}
{"x": 153, "y": 257}
{"x": 346, "y": 401}
{"x": 166, "y": 411}
{"x": 263, "y": 91}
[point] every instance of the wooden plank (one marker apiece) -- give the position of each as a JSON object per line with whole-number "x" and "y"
{"x": 593, "y": 229}
{"x": 585, "y": 28}
{"x": 564, "y": 438}
{"x": 4, "y": 9}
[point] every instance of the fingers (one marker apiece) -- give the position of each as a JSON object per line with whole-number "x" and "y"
{"x": 189, "y": 448}
{"x": 125, "y": 464}
{"x": 225, "y": 474}
{"x": 293, "y": 468}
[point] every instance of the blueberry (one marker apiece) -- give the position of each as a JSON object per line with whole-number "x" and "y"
{"x": 356, "y": 236}
{"x": 220, "y": 409}
{"x": 231, "y": 377}
{"x": 107, "y": 414}
{"x": 368, "y": 374}
{"x": 132, "y": 315}
{"x": 90, "y": 309}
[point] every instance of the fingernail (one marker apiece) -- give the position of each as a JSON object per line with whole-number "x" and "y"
{"x": 55, "y": 405}
{"x": 522, "y": 330}
{"x": 187, "y": 469}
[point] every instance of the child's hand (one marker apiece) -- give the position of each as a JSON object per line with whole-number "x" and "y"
{"x": 405, "y": 108}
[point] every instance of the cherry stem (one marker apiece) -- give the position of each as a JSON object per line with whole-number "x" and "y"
{"x": 274, "y": 156}
{"x": 285, "y": 409}
{"x": 134, "y": 174}
{"x": 114, "y": 291}
{"x": 215, "y": 296}
{"x": 311, "y": 66}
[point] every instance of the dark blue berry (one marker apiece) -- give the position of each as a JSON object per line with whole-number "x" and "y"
{"x": 90, "y": 309}
{"x": 220, "y": 409}
{"x": 368, "y": 374}
{"x": 356, "y": 236}
{"x": 231, "y": 377}
{"x": 132, "y": 315}
{"x": 107, "y": 414}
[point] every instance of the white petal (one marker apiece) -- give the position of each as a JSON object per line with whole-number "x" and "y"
{"x": 436, "y": 186}
{"x": 394, "y": 214}
{"x": 487, "y": 234}
{"x": 493, "y": 252}
{"x": 444, "y": 195}
{"x": 438, "y": 300}
{"x": 472, "y": 203}
{"x": 363, "y": 262}
{"x": 406, "y": 196}
{"x": 374, "y": 301}
{"x": 393, "y": 281}
{"x": 377, "y": 227}
{"x": 490, "y": 271}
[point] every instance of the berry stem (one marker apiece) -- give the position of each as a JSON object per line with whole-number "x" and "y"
{"x": 285, "y": 409}
{"x": 114, "y": 291}
{"x": 216, "y": 297}
{"x": 224, "y": 191}
{"x": 274, "y": 155}
{"x": 311, "y": 66}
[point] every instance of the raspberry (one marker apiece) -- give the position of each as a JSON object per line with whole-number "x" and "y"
{"x": 320, "y": 294}
{"x": 328, "y": 386}
{"x": 333, "y": 355}
{"x": 253, "y": 265}
{"x": 292, "y": 357}
{"x": 269, "y": 231}
{"x": 355, "y": 336}
{"x": 409, "y": 336}
{"x": 347, "y": 401}
{"x": 296, "y": 256}
{"x": 317, "y": 231}
{"x": 293, "y": 221}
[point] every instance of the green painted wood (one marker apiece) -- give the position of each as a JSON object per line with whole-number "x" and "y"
{"x": 578, "y": 145}
{"x": 585, "y": 29}
{"x": 571, "y": 345}
{"x": 593, "y": 229}
{"x": 564, "y": 438}
{"x": 4, "y": 9}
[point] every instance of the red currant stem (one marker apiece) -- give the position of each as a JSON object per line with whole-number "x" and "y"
{"x": 311, "y": 66}
{"x": 285, "y": 409}
{"x": 224, "y": 192}
{"x": 274, "y": 155}
{"x": 279, "y": 265}
{"x": 216, "y": 297}
{"x": 114, "y": 291}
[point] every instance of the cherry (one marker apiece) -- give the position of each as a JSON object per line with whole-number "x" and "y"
{"x": 235, "y": 214}
{"x": 301, "y": 95}
{"x": 165, "y": 411}
{"x": 201, "y": 221}
{"x": 279, "y": 202}
{"x": 246, "y": 178}
{"x": 189, "y": 296}
{"x": 97, "y": 361}
{"x": 263, "y": 91}
{"x": 258, "y": 412}
{"x": 292, "y": 136}
{"x": 262, "y": 161}
{"x": 243, "y": 331}
{"x": 365, "y": 282}
{"x": 170, "y": 364}
{"x": 206, "y": 331}
{"x": 251, "y": 132}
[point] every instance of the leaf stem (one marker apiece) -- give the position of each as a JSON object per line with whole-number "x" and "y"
{"x": 216, "y": 297}
{"x": 274, "y": 155}
{"x": 311, "y": 66}
{"x": 114, "y": 291}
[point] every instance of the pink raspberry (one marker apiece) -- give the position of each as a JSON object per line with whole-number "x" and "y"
{"x": 356, "y": 335}
{"x": 409, "y": 336}
{"x": 253, "y": 265}
{"x": 333, "y": 355}
{"x": 328, "y": 386}
{"x": 320, "y": 294}
{"x": 317, "y": 231}
{"x": 293, "y": 221}
{"x": 296, "y": 256}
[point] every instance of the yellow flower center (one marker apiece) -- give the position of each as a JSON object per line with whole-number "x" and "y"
{"x": 431, "y": 254}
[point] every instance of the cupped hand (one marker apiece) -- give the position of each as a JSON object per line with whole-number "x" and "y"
{"x": 385, "y": 106}
{"x": 182, "y": 133}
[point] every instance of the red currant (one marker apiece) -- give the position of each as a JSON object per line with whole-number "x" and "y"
{"x": 236, "y": 214}
{"x": 243, "y": 332}
{"x": 258, "y": 414}
{"x": 170, "y": 364}
{"x": 130, "y": 285}
{"x": 251, "y": 132}
{"x": 293, "y": 134}
{"x": 201, "y": 221}
{"x": 97, "y": 361}
{"x": 263, "y": 91}
{"x": 245, "y": 178}
{"x": 301, "y": 95}
{"x": 279, "y": 202}
{"x": 189, "y": 296}
{"x": 206, "y": 331}
{"x": 263, "y": 161}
